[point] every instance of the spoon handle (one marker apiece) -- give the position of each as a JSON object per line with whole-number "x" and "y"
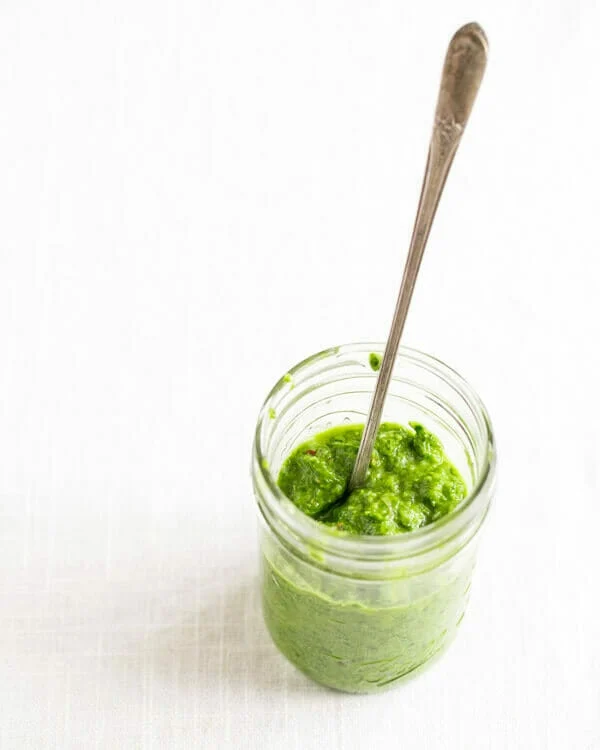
{"x": 462, "y": 73}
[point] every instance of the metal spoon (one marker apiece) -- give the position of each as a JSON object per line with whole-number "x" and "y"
{"x": 463, "y": 70}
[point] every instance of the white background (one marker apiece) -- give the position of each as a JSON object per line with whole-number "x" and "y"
{"x": 194, "y": 196}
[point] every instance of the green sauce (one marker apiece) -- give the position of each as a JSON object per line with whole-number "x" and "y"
{"x": 360, "y": 648}
{"x": 410, "y": 482}
{"x": 374, "y": 361}
{"x": 348, "y": 633}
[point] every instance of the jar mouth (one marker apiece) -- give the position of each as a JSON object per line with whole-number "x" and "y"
{"x": 276, "y": 505}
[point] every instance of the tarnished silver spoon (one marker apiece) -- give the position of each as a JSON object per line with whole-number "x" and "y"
{"x": 463, "y": 70}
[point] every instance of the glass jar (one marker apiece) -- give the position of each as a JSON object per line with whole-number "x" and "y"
{"x": 358, "y": 613}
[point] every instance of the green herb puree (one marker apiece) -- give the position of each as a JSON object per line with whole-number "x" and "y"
{"x": 410, "y": 482}
{"x": 348, "y": 633}
{"x": 374, "y": 361}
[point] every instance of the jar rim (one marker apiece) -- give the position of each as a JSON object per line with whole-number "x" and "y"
{"x": 373, "y": 547}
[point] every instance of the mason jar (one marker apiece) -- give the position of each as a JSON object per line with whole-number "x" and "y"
{"x": 358, "y": 613}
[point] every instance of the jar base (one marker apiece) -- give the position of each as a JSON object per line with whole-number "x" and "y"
{"x": 365, "y": 688}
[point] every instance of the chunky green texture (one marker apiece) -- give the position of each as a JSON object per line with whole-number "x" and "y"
{"x": 410, "y": 482}
{"x": 344, "y": 632}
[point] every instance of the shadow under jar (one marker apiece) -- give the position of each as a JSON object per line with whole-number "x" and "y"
{"x": 357, "y": 613}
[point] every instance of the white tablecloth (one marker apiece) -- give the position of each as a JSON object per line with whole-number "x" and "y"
{"x": 195, "y": 196}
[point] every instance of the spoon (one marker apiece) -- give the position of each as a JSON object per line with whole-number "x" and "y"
{"x": 462, "y": 73}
